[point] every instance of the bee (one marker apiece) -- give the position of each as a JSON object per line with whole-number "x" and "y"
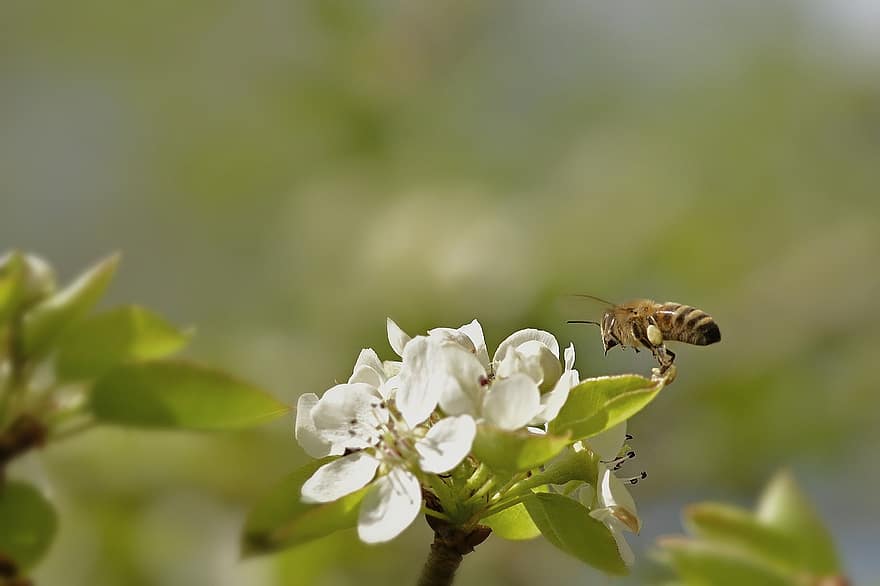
{"x": 646, "y": 323}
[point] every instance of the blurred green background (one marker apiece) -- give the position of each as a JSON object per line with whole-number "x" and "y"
{"x": 285, "y": 174}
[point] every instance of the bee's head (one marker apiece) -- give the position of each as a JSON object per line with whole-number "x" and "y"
{"x": 609, "y": 339}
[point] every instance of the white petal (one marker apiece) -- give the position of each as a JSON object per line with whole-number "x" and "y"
{"x": 368, "y": 357}
{"x": 553, "y": 401}
{"x": 307, "y": 434}
{"x": 474, "y": 331}
{"x": 396, "y": 336}
{"x": 392, "y": 367}
{"x": 446, "y": 444}
{"x": 464, "y": 381}
{"x": 366, "y": 374}
{"x": 608, "y": 443}
{"x": 522, "y": 336}
{"x": 512, "y": 402}
{"x": 614, "y": 496}
{"x": 456, "y": 336}
{"x": 418, "y": 392}
{"x": 389, "y": 507}
{"x": 348, "y": 415}
{"x": 339, "y": 478}
{"x": 616, "y": 527}
{"x": 389, "y": 388}
{"x": 541, "y": 363}
{"x": 569, "y": 357}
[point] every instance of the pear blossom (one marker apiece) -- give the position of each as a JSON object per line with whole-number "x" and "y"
{"x": 353, "y": 420}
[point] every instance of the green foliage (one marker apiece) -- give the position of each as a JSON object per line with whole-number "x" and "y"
{"x": 124, "y": 334}
{"x": 600, "y": 403}
{"x": 784, "y": 542}
{"x": 567, "y": 524}
{"x": 515, "y": 451}
{"x": 11, "y": 275}
{"x": 180, "y": 395}
{"x": 280, "y": 520}
{"x": 28, "y": 523}
{"x": 47, "y": 320}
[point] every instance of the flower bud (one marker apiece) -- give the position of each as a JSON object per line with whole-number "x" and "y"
{"x": 37, "y": 280}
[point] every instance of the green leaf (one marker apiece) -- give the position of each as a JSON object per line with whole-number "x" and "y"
{"x": 513, "y": 523}
{"x": 280, "y": 520}
{"x": 103, "y": 341}
{"x": 180, "y": 395}
{"x": 48, "y": 319}
{"x": 514, "y": 451}
{"x": 567, "y": 524}
{"x": 28, "y": 523}
{"x": 10, "y": 285}
{"x": 700, "y": 563}
{"x": 600, "y": 403}
{"x": 785, "y": 507}
{"x": 736, "y": 527}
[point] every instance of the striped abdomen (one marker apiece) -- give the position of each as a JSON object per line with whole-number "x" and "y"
{"x": 686, "y": 324}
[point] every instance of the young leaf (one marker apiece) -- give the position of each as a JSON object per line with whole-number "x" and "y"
{"x": 180, "y": 395}
{"x": 567, "y": 524}
{"x": 515, "y": 451}
{"x": 280, "y": 520}
{"x": 103, "y": 341}
{"x": 735, "y": 527}
{"x": 784, "y": 507}
{"x": 48, "y": 319}
{"x": 600, "y": 403}
{"x": 513, "y": 523}
{"x": 27, "y": 524}
{"x": 700, "y": 562}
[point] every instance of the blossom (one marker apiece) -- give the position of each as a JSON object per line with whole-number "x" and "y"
{"x": 353, "y": 420}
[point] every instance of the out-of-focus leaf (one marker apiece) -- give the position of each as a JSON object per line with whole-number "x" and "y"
{"x": 48, "y": 319}
{"x": 736, "y": 527}
{"x": 28, "y": 523}
{"x": 11, "y": 276}
{"x": 701, "y": 563}
{"x": 784, "y": 507}
{"x": 514, "y": 451}
{"x": 180, "y": 395}
{"x": 103, "y": 341}
{"x": 600, "y": 403}
{"x": 280, "y": 520}
{"x": 567, "y": 524}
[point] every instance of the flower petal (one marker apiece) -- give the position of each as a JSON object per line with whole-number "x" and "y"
{"x": 608, "y": 443}
{"x": 446, "y": 444}
{"x": 396, "y": 336}
{"x": 339, "y": 478}
{"x": 553, "y": 401}
{"x": 456, "y": 336}
{"x": 464, "y": 376}
{"x": 366, "y": 374}
{"x": 541, "y": 360}
{"x": 419, "y": 391}
{"x": 474, "y": 331}
{"x": 389, "y": 507}
{"x": 348, "y": 415}
{"x": 614, "y": 496}
{"x": 569, "y": 357}
{"x": 522, "y": 336}
{"x": 368, "y": 357}
{"x": 307, "y": 434}
{"x": 512, "y": 402}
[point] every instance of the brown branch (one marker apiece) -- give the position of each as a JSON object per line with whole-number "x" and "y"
{"x": 25, "y": 432}
{"x": 451, "y": 544}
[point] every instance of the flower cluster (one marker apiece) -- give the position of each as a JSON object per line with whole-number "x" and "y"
{"x": 395, "y": 427}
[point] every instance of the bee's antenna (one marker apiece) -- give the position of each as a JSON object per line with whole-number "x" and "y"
{"x": 594, "y": 298}
{"x": 583, "y": 321}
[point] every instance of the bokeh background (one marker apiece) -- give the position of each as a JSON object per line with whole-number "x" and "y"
{"x": 285, "y": 174}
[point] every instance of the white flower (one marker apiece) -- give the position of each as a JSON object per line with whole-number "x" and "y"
{"x": 369, "y": 369}
{"x": 388, "y": 453}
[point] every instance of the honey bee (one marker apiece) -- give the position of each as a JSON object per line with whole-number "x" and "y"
{"x": 646, "y": 323}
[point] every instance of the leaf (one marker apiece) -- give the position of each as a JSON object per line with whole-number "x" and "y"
{"x": 48, "y": 319}
{"x": 103, "y": 341}
{"x": 513, "y": 523}
{"x": 172, "y": 394}
{"x": 735, "y": 527}
{"x": 280, "y": 520}
{"x": 28, "y": 523}
{"x": 567, "y": 524}
{"x": 600, "y": 403}
{"x": 10, "y": 285}
{"x": 703, "y": 563}
{"x": 515, "y": 451}
{"x": 785, "y": 507}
